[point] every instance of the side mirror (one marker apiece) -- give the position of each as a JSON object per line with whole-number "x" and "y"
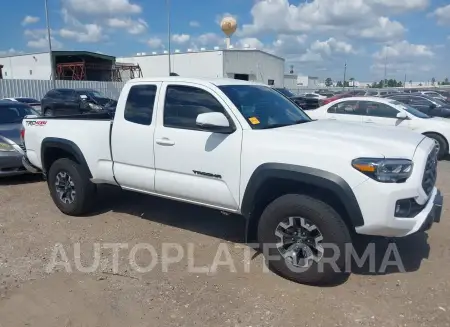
{"x": 402, "y": 115}
{"x": 215, "y": 122}
{"x": 432, "y": 106}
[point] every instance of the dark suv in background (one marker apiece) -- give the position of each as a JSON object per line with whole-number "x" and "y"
{"x": 61, "y": 102}
{"x": 430, "y": 106}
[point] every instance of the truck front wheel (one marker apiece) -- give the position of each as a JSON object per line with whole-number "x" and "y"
{"x": 303, "y": 239}
{"x": 70, "y": 187}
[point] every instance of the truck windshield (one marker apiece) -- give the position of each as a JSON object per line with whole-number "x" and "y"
{"x": 264, "y": 107}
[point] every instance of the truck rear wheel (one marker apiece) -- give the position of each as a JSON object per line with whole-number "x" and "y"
{"x": 70, "y": 187}
{"x": 303, "y": 239}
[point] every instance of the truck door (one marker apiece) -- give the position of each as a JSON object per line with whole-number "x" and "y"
{"x": 132, "y": 139}
{"x": 193, "y": 164}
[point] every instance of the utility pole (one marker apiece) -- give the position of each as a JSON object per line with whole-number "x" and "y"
{"x": 52, "y": 61}
{"x": 345, "y": 72}
{"x": 404, "y": 83}
{"x": 168, "y": 34}
{"x": 385, "y": 70}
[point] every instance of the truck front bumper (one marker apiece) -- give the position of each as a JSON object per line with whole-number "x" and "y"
{"x": 383, "y": 221}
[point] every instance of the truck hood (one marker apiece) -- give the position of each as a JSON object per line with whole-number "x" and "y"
{"x": 363, "y": 140}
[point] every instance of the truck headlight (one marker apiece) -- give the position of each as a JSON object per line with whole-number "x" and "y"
{"x": 384, "y": 170}
{"x": 95, "y": 106}
{"x": 5, "y": 147}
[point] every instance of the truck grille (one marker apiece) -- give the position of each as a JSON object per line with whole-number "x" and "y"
{"x": 430, "y": 173}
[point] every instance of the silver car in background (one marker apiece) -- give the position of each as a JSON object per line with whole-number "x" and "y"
{"x": 11, "y": 148}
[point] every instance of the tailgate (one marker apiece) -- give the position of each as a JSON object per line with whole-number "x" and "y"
{"x": 90, "y": 137}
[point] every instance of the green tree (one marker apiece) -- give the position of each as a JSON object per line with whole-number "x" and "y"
{"x": 445, "y": 82}
{"x": 339, "y": 84}
{"x": 346, "y": 84}
{"x": 399, "y": 84}
{"x": 433, "y": 81}
{"x": 328, "y": 82}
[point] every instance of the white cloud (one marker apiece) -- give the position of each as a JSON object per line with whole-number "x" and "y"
{"x": 138, "y": 26}
{"x": 210, "y": 39}
{"x": 360, "y": 18}
{"x": 30, "y": 20}
{"x": 180, "y": 38}
{"x": 252, "y": 42}
{"x": 9, "y": 52}
{"x": 103, "y": 7}
{"x": 42, "y": 43}
{"x": 89, "y": 33}
{"x": 382, "y": 30}
{"x": 403, "y": 57}
{"x": 403, "y": 51}
{"x": 155, "y": 42}
{"x": 442, "y": 15}
{"x": 399, "y": 6}
{"x": 194, "y": 23}
{"x": 38, "y": 39}
{"x": 287, "y": 45}
{"x": 331, "y": 46}
{"x": 36, "y": 33}
{"x": 310, "y": 56}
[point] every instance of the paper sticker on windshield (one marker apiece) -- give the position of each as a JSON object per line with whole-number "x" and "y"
{"x": 254, "y": 120}
{"x": 84, "y": 97}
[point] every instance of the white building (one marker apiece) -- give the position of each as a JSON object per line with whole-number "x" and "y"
{"x": 76, "y": 65}
{"x": 308, "y": 81}
{"x": 245, "y": 64}
{"x": 290, "y": 81}
{"x": 29, "y": 66}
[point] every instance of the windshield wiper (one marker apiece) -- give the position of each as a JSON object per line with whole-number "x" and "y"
{"x": 288, "y": 124}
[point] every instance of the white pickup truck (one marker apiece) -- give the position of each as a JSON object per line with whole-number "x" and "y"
{"x": 244, "y": 148}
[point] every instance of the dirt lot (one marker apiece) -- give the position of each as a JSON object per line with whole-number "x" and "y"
{"x": 31, "y": 295}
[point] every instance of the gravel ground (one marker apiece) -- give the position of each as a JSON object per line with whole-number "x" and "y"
{"x": 34, "y": 293}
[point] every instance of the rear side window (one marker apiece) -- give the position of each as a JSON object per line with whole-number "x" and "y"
{"x": 140, "y": 103}
{"x": 377, "y": 109}
{"x": 184, "y": 103}
{"x": 52, "y": 94}
{"x": 67, "y": 94}
{"x": 346, "y": 108}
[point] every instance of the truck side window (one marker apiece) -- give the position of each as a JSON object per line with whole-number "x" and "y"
{"x": 184, "y": 103}
{"x": 140, "y": 102}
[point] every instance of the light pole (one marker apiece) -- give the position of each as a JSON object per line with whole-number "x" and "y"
{"x": 52, "y": 64}
{"x": 345, "y": 72}
{"x": 168, "y": 34}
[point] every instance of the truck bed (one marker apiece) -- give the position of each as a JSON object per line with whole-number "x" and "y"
{"x": 90, "y": 133}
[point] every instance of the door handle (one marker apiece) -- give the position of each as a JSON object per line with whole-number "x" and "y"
{"x": 165, "y": 141}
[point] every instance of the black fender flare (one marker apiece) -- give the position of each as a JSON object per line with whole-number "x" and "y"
{"x": 63, "y": 144}
{"x": 307, "y": 175}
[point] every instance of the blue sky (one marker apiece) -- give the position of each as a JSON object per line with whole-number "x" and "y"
{"x": 317, "y": 37}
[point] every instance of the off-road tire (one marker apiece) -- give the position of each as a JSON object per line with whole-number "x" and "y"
{"x": 443, "y": 146}
{"x": 328, "y": 221}
{"x": 85, "y": 190}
